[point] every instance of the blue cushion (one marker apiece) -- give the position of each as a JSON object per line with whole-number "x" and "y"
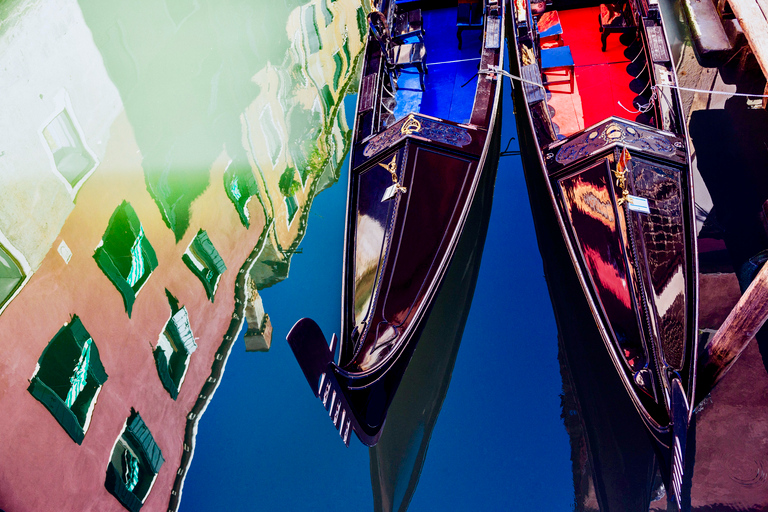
{"x": 556, "y": 57}
{"x": 554, "y": 30}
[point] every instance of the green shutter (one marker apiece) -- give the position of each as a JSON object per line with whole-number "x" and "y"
{"x": 70, "y": 374}
{"x": 327, "y": 97}
{"x": 240, "y": 186}
{"x": 362, "y": 22}
{"x": 212, "y": 263}
{"x": 292, "y": 207}
{"x": 126, "y": 257}
{"x": 116, "y": 487}
{"x": 139, "y": 435}
{"x": 180, "y": 329}
{"x": 107, "y": 265}
{"x": 79, "y": 378}
{"x": 164, "y": 373}
{"x": 130, "y": 471}
{"x": 11, "y": 275}
{"x": 337, "y": 70}
{"x": 57, "y": 408}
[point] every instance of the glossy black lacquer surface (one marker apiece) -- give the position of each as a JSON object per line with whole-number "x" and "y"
{"x": 413, "y": 179}
{"x": 425, "y": 219}
{"x": 622, "y": 195}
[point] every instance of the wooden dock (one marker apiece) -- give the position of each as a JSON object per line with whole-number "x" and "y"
{"x": 753, "y": 18}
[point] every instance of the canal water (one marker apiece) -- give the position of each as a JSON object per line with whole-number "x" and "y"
{"x": 187, "y": 160}
{"x": 499, "y": 442}
{"x": 173, "y": 182}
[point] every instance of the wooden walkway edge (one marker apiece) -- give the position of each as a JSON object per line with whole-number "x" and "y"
{"x": 753, "y": 18}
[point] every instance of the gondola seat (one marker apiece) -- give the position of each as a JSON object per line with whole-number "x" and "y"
{"x": 614, "y": 19}
{"x": 409, "y": 27}
{"x": 469, "y": 16}
{"x": 398, "y": 56}
{"x": 409, "y": 55}
{"x": 557, "y": 59}
{"x": 549, "y": 28}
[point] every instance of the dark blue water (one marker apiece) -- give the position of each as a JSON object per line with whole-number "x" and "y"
{"x": 265, "y": 442}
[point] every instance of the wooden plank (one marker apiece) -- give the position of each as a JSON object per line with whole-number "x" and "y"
{"x": 753, "y": 18}
{"x": 738, "y": 329}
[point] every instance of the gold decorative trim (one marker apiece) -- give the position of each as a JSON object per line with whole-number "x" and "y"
{"x": 411, "y": 125}
{"x": 621, "y": 176}
{"x": 392, "y": 168}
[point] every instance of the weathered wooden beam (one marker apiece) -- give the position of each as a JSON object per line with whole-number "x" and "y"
{"x": 726, "y": 345}
{"x": 752, "y": 18}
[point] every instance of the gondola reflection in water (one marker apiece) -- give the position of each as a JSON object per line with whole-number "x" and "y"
{"x": 420, "y": 150}
{"x": 621, "y": 192}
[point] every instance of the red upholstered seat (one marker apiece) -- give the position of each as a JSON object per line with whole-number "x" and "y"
{"x": 614, "y": 19}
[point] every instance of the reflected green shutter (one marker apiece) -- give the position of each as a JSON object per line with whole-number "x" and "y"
{"x": 131, "y": 476}
{"x": 137, "y": 260}
{"x": 81, "y": 374}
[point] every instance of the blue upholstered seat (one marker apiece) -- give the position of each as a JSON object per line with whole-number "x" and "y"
{"x": 469, "y": 15}
{"x": 555, "y": 59}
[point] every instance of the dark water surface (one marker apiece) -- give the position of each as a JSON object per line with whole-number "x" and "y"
{"x": 160, "y": 164}
{"x": 499, "y": 443}
{"x": 171, "y": 169}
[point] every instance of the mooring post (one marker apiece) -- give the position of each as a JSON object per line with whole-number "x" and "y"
{"x": 726, "y": 345}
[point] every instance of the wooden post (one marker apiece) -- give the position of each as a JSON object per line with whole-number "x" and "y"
{"x": 752, "y": 18}
{"x": 743, "y": 322}
{"x": 765, "y": 96}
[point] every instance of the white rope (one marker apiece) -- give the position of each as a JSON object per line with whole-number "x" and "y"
{"x": 642, "y": 109}
{"x": 453, "y": 61}
{"x": 717, "y": 92}
{"x": 495, "y": 69}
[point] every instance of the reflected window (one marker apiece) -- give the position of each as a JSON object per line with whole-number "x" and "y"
{"x": 338, "y": 66}
{"x": 327, "y": 14}
{"x": 345, "y": 49}
{"x": 204, "y": 261}
{"x": 271, "y": 134}
{"x": 11, "y": 276}
{"x": 312, "y": 31}
{"x": 174, "y": 347}
{"x": 328, "y": 99}
{"x": 68, "y": 378}
{"x": 70, "y": 156}
{"x": 134, "y": 464}
{"x": 292, "y": 206}
{"x": 240, "y": 186}
{"x": 362, "y": 21}
{"x": 125, "y": 255}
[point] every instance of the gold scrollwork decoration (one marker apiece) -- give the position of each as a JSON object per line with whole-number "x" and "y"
{"x": 392, "y": 168}
{"x": 621, "y": 176}
{"x": 411, "y": 125}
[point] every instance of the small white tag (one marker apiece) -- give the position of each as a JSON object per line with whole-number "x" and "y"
{"x": 65, "y": 252}
{"x": 638, "y": 204}
{"x": 389, "y": 193}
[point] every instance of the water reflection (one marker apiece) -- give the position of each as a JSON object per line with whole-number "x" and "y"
{"x": 157, "y": 168}
{"x": 228, "y": 118}
{"x": 614, "y": 466}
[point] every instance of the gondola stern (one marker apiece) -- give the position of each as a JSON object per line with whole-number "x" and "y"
{"x": 315, "y": 357}
{"x": 311, "y": 351}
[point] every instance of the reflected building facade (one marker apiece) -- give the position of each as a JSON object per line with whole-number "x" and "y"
{"x": 156, "y": 173}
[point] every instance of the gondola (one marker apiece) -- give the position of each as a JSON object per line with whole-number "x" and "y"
{"x": 616, "y": 167}
{"x": 421, "y": 140}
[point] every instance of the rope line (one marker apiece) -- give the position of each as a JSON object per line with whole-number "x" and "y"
{"x": 494, "y": 69}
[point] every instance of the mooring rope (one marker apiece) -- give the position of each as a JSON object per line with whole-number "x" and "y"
{"x": 642, "y": 109}
{"x": 494, "y": 69}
